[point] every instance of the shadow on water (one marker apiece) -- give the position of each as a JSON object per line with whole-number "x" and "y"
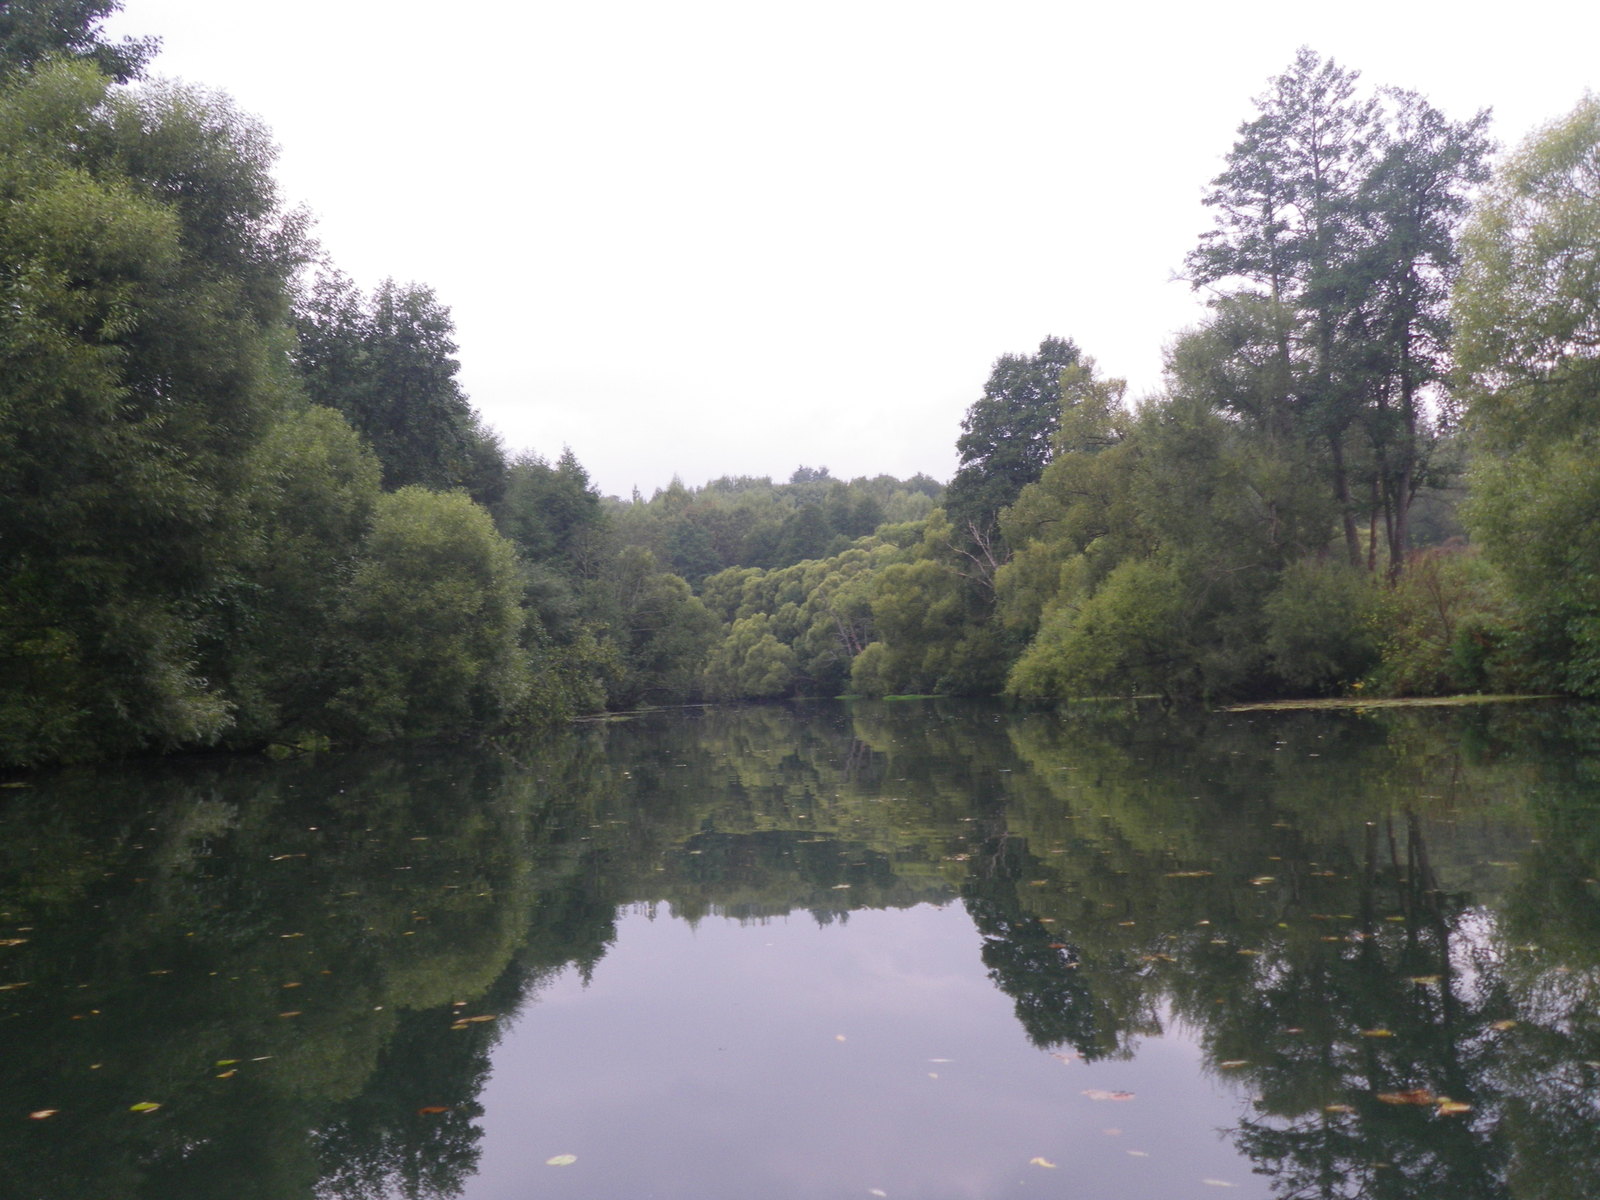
{"x": 1384, "y": 928}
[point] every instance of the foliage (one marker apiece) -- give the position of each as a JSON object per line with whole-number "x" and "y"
{"x": 1006, "y": 435}
{"x": 1528, "y": 307}
{"x": 752, "y": 522}
{"x": 434, "y": 619}
{"x": 33, "y": 30}
{"x": 387, "y": 361}
{"x": 143, "y": 261}
{"x": 1321, "y": 626}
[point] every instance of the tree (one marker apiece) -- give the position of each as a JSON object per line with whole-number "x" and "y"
{"x": 33, "y": 30}
{"x": 1337, "y": 214}
{"x": 143, "y": 263}
{"x": 1006, "y": 435}
{"x": 388, "y": 363}
{"x": 433, "y": 621}
{"x": 1527, "y": 307}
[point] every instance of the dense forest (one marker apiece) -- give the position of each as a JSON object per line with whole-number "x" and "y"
{"x": 246, "y": 502}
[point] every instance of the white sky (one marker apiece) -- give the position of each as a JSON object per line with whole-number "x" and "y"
{"x": 708, "y": 237}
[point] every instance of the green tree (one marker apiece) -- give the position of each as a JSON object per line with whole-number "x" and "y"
{"x": 1006, "y": 435}
{"x": 144, "y": 261}
{"x": 433, "y": 621}
{"x": 387, "y": 362}
{"x": 1528, "y": 312}
{"x": 33, "y": 30}
{"x": 1337, "y": 214}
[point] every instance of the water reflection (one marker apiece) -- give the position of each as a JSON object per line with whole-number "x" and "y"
{"x": 1382, "y": 931}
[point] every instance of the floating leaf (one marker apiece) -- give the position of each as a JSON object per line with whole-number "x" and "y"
{"x": 1233, "y": 1063}
{"x": 1187, "y": 874}
{"x": 13, "y": 941}
{"x": 1102, "y": 1094}
{"x": 229, "y": 1073}
{"x": 291, "y": 1013}
{"x": 1412, "y": 1096}
{"x": 838, "y": 1037}
{"x": 1218, "y": 1183}
{"x": 1450, "y": 1107}
{"x": 227, "y": 1062}
{"x": 1041, "y": 1162}
{"x": 1502, "y": 1026}
{"x": 43, "y": 1113}
{"x": 429, "y": 1110}
{"x": 1261, "y": 879}
{"x": 144, "y": 1106}
{"x": 1426, "y": 980}
{"x": 876, "y": 1192}
{"x": 1337, "y": 1108}
{"x": 561, "y": 1160}
{"x": 1136, "y": 1154}
{"x": 1377, "y": 1033}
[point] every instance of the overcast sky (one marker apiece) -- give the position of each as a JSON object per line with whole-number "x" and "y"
{"x": 708, "y": 237}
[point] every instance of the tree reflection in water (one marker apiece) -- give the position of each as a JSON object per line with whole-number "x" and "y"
{"x": 1340, "y": 909}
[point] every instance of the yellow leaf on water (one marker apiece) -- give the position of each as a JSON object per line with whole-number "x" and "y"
{"x": 144, "y": 1106}
{"x": 1377, "y": 1033}
{"x": 1502, "y": 1026}
{"x": 1041, "y": 1162}
{"x": 1102, "y": 1094}
{"x": 1426, "y": 980}
{"x": 1233, "y": 1063}
{"x": 561, "y": 1160}
{"x": 1451, "y": 1107}
{"x": 43, "y": 1113}
{"x": 1337, "y": 1108}
{"x": 1411, "y": 1096}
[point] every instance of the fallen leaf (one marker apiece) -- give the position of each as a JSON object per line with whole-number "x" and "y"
{"x": 13, "y": 941}
{"x": 144, "y": 1106}
{"x": 1449, "y": 1107}
{"x": 561, "y": 1160}
{"x": 1412, "y": 1096}
{"x": 1426, "y": 980}
{"x": 229, "y": 1073}
{"x": 838, "y": 1037}
{"x": 292, "y": 1013}
{"x": 1337, "y": 1108}
{"x": 227, "y": 1062}
{"x": 428, "y": 1110}
{"x": 1377, "y": 1033}
{"x": 1218, "y": 1183}
{"x": 1186, "y": 874}
{"x": 876, "y": 1192}
{"x": 1232, "y": 1063}
{"x": 1257, "y": 882}
{"x": 1502, "y": 1026}
{"x": 43, "y": 1113}
{"x": 1136, "y": 1153}
{"x": 1041, "y": 1162}
{"x": 1102, "y": 1094}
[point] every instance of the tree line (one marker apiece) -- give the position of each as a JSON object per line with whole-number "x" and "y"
{"x": 246, "y": 502}
{"x": 1371, "y": 467}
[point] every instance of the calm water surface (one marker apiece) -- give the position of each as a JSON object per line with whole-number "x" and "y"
{"x": 916, "y": 950}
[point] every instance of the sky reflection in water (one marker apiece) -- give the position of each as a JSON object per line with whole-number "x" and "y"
{"x": 788, "y": 1059}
